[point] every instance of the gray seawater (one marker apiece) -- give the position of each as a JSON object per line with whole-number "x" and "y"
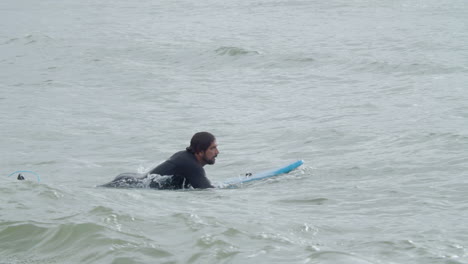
{"x": 370, "y": 94}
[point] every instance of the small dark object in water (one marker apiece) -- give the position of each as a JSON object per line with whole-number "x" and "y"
{"x": 20, "y": 177}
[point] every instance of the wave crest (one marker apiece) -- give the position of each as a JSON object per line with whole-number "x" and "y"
{"x": 234, "y": 51}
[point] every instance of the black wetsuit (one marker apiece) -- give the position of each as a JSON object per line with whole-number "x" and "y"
{"x": 183, "y": 167}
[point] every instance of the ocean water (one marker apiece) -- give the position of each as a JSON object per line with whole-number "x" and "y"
{"x": 370, "y": 94}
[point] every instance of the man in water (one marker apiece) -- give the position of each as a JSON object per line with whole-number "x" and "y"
{"x": 185, "y": 167}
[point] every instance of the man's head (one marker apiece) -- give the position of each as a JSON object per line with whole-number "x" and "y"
{"x": 203, "y": 145}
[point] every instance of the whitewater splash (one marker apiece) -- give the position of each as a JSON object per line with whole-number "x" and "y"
{"x": 138, "y": 180}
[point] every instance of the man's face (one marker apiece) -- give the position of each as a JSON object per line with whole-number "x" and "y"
{"x": 209, "y": 156}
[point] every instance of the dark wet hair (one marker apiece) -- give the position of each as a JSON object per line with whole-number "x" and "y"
{"x": 201, "y": 141}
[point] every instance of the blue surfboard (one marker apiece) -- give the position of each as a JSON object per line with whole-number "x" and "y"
{"x": 265, "y": 174}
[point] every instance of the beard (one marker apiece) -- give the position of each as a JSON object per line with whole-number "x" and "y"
{"x": 209, "y": 161}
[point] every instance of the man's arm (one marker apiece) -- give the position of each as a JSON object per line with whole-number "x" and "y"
{"x": 197, "y": 178}
{"x": 201, "y": 182}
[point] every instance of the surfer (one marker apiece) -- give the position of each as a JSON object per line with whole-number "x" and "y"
{"x": 184, "y": 169}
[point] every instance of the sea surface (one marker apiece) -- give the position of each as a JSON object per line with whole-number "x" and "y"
{"x": 372, "y": 95}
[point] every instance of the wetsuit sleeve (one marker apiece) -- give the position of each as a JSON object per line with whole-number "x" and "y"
{"x": 196, "y": 177}
{"x": 201, "y": 182}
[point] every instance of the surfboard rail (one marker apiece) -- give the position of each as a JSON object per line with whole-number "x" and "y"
{"x": 265, "y": 174}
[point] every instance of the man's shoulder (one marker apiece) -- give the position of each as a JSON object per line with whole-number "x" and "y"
{"x": 184, "y": 157}
{"x": 181, "y": 154}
